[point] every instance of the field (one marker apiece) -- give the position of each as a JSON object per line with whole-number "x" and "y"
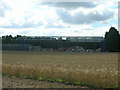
{"x": 88, "y": 69}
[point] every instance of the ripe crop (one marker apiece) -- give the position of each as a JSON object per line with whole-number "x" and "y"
{"x": 92, "y": 69}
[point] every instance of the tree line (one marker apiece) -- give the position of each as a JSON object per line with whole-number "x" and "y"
{"x": 48, "y": 42}
{"x": 112, "y": 41}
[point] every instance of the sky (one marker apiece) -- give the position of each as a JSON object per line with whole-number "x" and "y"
{"x": 58, "y": 18}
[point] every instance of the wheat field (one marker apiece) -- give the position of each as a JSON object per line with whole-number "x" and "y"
{"x": 91, "y": 69}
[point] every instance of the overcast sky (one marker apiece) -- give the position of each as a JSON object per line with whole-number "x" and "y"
{"x": 36, "y": 18}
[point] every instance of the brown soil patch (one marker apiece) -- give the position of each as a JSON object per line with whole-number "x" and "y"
{"x": 15, "y": 82}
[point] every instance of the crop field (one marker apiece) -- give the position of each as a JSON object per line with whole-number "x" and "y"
{"x": 88, "y": 69}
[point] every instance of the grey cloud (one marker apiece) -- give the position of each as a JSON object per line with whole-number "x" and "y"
{"x": 50, "y": 24}
{"x": 3, "y": 8}
{"x": 25, "y": 25}
{"x": 2, "y": 13}
{"x": 53, "y": 26}
{"x": 118, "y": 12}
{"x": 70, "y": 5}
{"x": 119, "y": 23}
{"x": 81, "y": 18}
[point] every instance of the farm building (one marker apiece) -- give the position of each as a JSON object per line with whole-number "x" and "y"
{"x": 85, "y": 39}
{"x": 62, "y": 43}
{"x": 88, "y": 42}
{"x": 19, "y": 47}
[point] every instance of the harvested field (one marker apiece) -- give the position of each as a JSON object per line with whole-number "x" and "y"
{"x": 89, "y": 69}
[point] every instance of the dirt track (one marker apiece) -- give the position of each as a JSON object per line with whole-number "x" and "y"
{"x": 14, "y": 82}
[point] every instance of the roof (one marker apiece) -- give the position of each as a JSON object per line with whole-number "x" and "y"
{"x": 86, "y": 39}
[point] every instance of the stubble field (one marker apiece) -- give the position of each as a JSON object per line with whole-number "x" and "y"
{"x": 88, "y": 69}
